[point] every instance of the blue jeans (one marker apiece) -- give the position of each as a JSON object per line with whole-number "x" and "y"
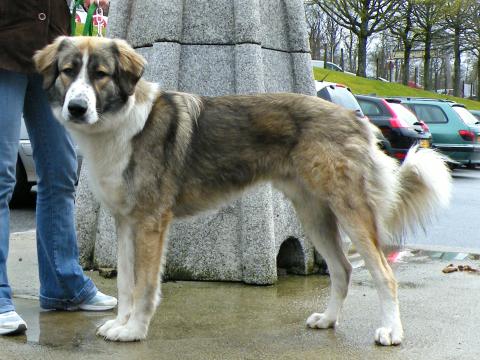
{"x": 62, "y": 282}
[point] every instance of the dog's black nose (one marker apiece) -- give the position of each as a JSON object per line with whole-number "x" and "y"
{"x": 77, "y": 107}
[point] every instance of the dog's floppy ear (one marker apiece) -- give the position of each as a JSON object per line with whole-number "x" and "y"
{"x": 46, "y": 61}
{"x": 130, "y": 66}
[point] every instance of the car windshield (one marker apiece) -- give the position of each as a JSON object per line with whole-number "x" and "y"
{"x": 345, "y": 98}
{"x": 403, "y": 113}
{"x": 466, "y": 115}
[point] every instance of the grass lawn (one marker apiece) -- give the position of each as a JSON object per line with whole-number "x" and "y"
{"x": 363, "y": 86}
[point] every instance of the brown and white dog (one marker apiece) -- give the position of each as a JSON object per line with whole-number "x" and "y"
{"x": 153, "y": 155}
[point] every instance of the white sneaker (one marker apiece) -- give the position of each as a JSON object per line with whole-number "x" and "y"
{"x": 11, "y": 323}
{"x": 100, "y": 302}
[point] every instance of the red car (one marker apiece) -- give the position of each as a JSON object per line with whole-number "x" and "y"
{"x": 398, "y": 124}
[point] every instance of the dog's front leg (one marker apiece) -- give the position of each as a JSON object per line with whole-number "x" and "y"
{"x": 149, "y": 246}
{"x": 125, "y": 277}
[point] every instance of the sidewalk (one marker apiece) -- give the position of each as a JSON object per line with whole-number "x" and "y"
{"x": 213, "y": 320}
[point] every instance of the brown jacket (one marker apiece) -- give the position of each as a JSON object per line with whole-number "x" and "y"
{"x": 27, "y": 26}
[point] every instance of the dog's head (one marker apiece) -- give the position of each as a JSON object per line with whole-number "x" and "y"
{"x": 88, "y": 77}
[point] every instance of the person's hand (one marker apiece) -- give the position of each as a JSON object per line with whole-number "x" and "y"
{"x": 102, "y": 3}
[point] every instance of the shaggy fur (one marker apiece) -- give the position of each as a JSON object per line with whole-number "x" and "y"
{"x": 153, "y": 155}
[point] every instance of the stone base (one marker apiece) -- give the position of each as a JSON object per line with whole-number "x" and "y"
{"x": 244, "y": 241}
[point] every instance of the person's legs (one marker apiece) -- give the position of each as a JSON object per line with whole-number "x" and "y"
{"x": 12, "y": 92}
{"x": 62, "y": 282}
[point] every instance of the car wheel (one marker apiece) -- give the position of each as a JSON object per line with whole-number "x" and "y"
{"x": 21, "y": 193}
{"x": 470, "y": 166}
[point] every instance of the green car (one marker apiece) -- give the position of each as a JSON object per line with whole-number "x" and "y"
{"x": 476, "y": 113}
{"x": 455, "y": 131}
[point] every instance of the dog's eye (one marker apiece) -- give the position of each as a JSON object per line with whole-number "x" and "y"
{"x": 100, "y": 74}
{"x": 68, "y": 71}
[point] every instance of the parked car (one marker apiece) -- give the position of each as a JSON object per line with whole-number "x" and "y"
{"x": 341, "y": 95}
{"x": 330, "y": 65}
{"x": 26, "y": 176}
{"x": 338, "y": 94}
{"x": 377, "y": 78}
{"x": 397, "y": 123}
{"x": 455, "y": 131}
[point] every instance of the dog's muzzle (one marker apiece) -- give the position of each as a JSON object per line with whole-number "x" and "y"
{"x": 77, "y": 108}
{"x": 80, "y": 104}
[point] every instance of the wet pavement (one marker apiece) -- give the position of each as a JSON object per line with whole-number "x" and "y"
{"x": 213, "y": 320}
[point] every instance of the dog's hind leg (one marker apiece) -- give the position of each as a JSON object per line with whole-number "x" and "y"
{"x": 125, "y": 276}
{"x": 360, "y": 224}
{"x": 320, "y": 226}
{"x": 149, "y": 245}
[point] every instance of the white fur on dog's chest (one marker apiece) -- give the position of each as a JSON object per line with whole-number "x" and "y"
{"x": 106, "y": 162}
{"x": 112, "y": 191}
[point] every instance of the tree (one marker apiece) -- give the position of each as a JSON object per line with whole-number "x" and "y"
{"x": 323, "y": 32}
{"x": 473, "y": 38}
{"x": 382, "y": 54}
{"x": 457, "y": 14}
{"x": 315, "y": 18}
{"x": 403, "y": 28}
{"x": 350, "y": 42}
{"x": 363, "y": 18}
{"x": 333, "y": 37}
{"x": 429, "y": 16}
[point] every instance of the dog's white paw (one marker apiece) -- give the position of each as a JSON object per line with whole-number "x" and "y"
{"x": 107, "y": 325}
{"x": 127, "y": 332}
{"x": 110, "y": 324}
{"x": 388, "y": 336}
{"x": 320, "y": 321}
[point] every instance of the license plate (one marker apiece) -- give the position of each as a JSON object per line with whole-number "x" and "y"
{"x": 424, "y": 143}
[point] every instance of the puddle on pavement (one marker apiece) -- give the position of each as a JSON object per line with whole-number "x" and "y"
{"x": 420, "y": 255}
{"x": 447, "y": 255}
{"x": 188, "y": 310}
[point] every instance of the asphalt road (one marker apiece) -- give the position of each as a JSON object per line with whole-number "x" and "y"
{"x": 455, "y": 227}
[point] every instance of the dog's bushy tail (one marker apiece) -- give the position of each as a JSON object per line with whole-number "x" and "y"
{"x": 423, "y": 188}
